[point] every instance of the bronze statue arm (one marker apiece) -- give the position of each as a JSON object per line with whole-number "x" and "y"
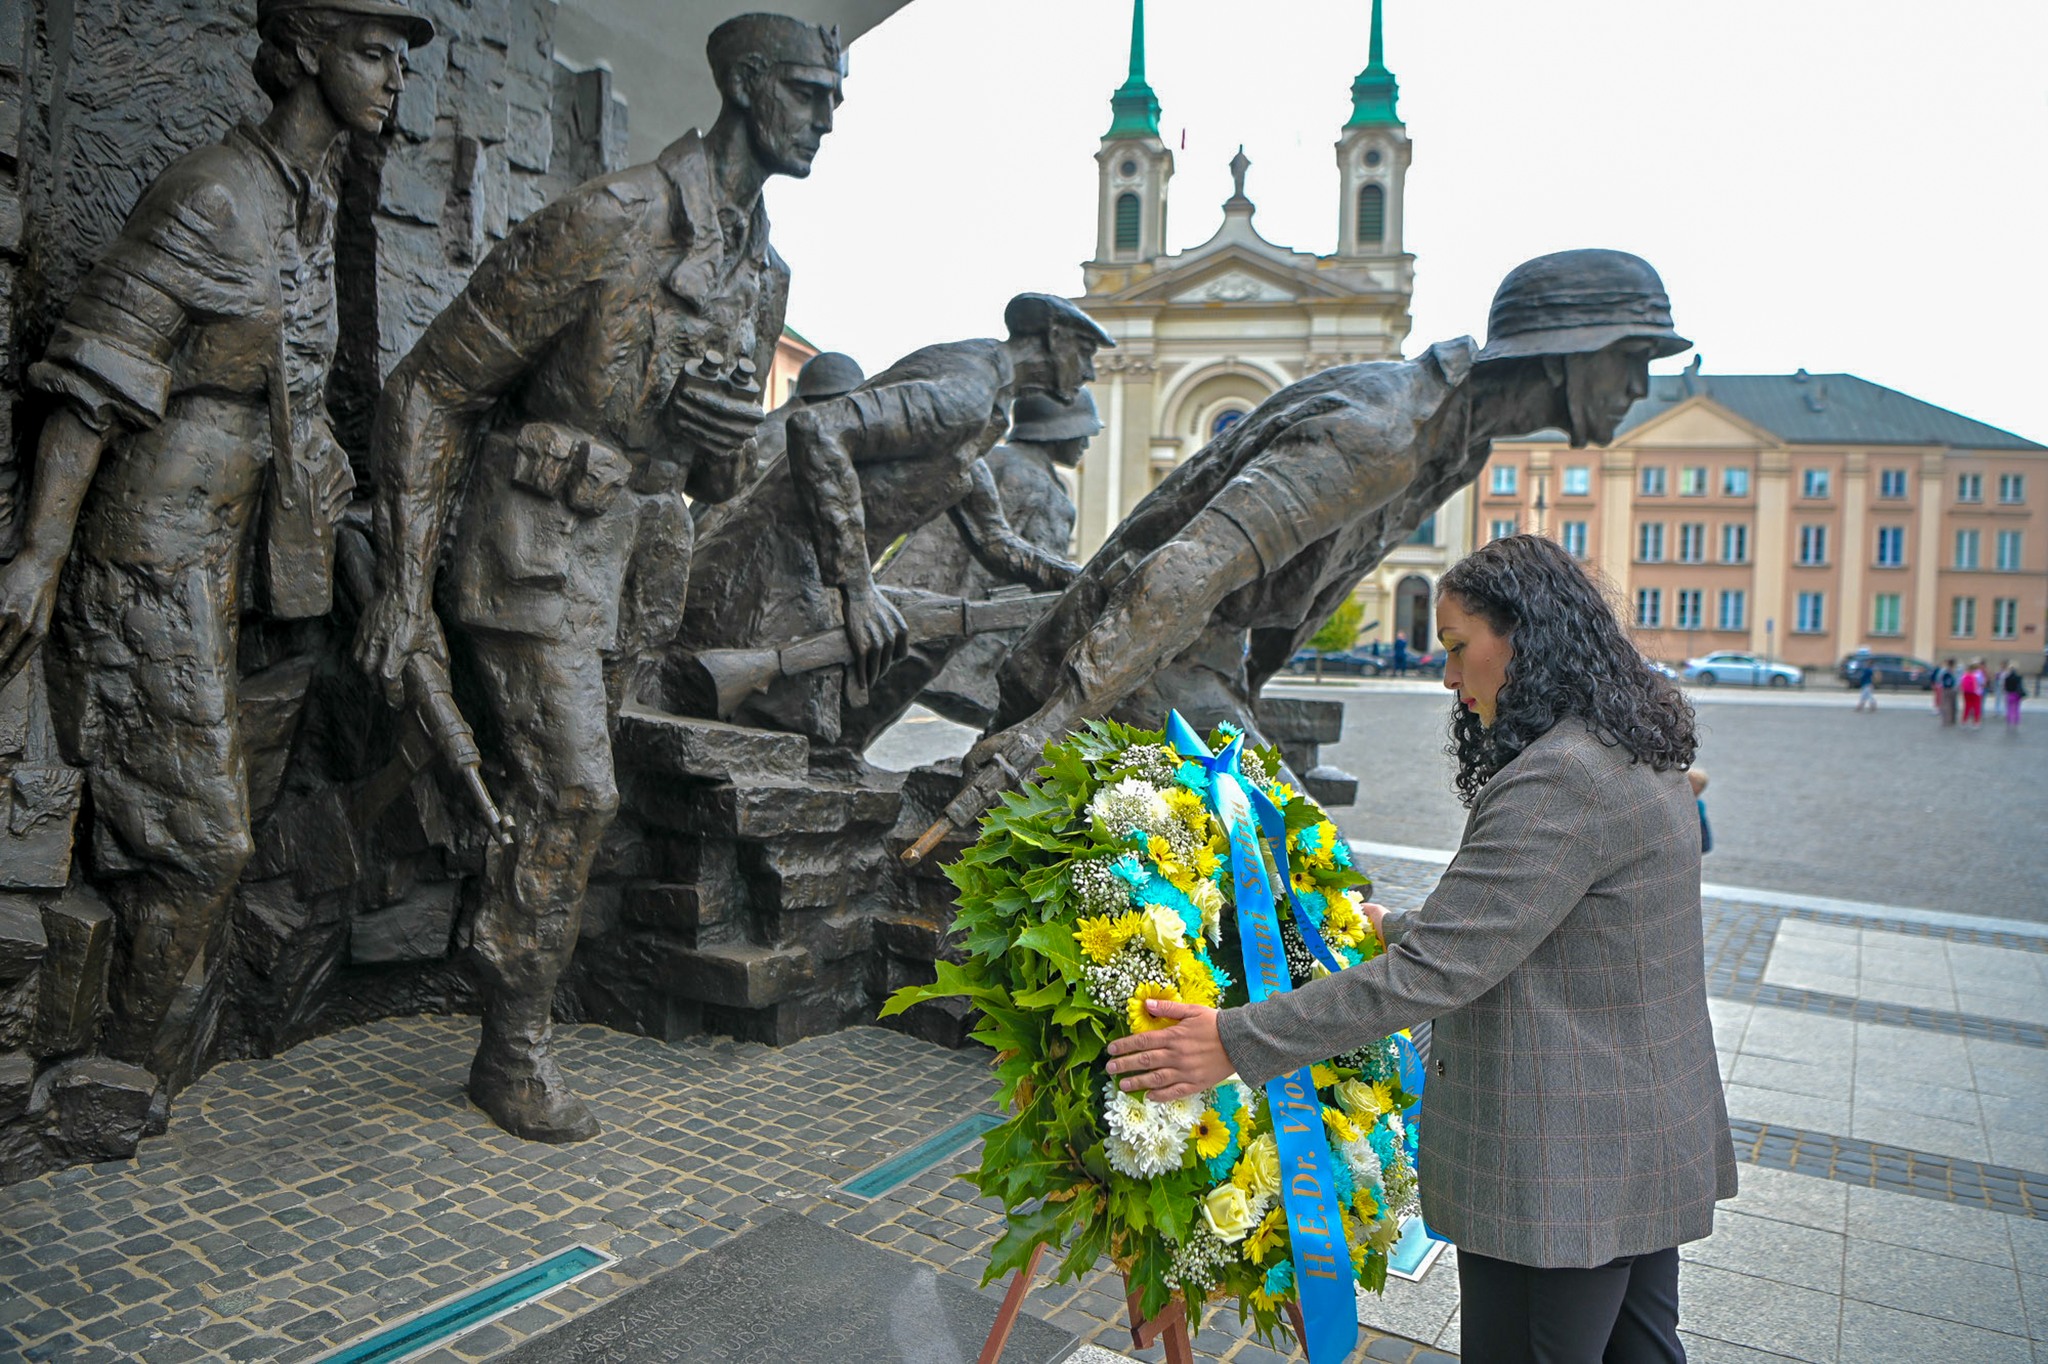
{"x": 994, "y": 542}
{"x": 66, "y": 461}
{"x": 828, "y": 490}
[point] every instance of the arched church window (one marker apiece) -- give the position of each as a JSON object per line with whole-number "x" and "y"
{"x": 1127, "y": 211}
{"x": 1372, "y": 215}
{"x": 1224, "y": 421}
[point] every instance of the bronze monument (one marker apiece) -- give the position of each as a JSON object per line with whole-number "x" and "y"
{"x": 601, "y": 363}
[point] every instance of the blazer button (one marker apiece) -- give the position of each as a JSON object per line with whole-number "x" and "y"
{"x": 1439, "y": 1066}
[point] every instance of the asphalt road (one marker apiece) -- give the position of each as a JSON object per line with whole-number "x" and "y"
{"x": 1806, "y": 796}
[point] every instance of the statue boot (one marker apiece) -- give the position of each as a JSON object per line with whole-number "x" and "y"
{"x": 514, "y": 1078}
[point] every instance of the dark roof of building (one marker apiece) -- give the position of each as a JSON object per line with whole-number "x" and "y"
{"x": 1820, "y": 409}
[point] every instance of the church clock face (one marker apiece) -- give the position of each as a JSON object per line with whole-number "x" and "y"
{"x": 1372, "y": 157}
{"x": 1129, "y": 170}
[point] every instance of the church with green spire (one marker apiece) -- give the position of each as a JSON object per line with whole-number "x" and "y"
{"x": 1207, "y": 333}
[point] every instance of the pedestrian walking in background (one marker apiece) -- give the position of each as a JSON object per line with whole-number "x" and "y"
{"x": 2014, "y": 687}
{"x": 1697, "y": 776}
{"x": 1945, "y": 692}
{"x": 1400, "y": 655}
{"x": 1973, "y": 686}
{"x": 1865, "y": 677}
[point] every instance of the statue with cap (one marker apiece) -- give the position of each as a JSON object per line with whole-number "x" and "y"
{"x": 603, "y": 361}
{"x": 190, "y": 438}
{"x": 957, "y": 678}
{"x": 796, "y": 556}
{"x": 1227, "y": 567}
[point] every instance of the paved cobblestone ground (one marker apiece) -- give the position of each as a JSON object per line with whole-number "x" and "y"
{"x": 1892, "y": 1210}
{"x": 301, "y": 1202}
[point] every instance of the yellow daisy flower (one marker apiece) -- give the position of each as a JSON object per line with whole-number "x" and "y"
{"x": 1158, "y": 847}
{"x": 1206, "y": 863}
{"x": 1211, "y": 1134}
{"x": 1265, "y": 1235}
{"x": 1128, "y": 925}
{"x": 1323, "y": 1076}
{"x": 1365, "y": 1205}
{"x": 1339, "y": 1125}
{"x": 1097, "y": 938}
{"x": 1134, "y": 1011}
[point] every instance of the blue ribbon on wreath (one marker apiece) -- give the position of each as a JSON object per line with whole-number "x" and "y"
{"x": 1315, "y": 1223}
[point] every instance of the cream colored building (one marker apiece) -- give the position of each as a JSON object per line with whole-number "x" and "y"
{"x": 1798, "y": 515}
{"x": 1205, "y": 335}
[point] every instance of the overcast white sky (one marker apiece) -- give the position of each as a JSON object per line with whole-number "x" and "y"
{"x": 1844, "y": 185}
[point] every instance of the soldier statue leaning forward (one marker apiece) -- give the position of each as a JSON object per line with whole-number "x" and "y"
{"x": 795, "y": 555}
{"x": 1264, "y": 530}
{"x": 191, "y": 371}
{"x": 602, "y": 361}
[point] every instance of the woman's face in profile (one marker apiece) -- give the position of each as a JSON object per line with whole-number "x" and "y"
{"x": 1475, "y": 658}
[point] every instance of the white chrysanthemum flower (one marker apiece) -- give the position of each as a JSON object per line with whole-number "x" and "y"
{"x": 1131, "y": 804}
{"x": 1364, "y": 1162}
{"x": 1123, "y": 1157}
{"x": 1162, "y": 1151}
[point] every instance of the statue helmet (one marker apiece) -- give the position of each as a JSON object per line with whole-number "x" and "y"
{"x": 1027, "y": 314}
{"x": 417, "y": 28}
{"x": 1044, "y": 418}
{"x": 827, "y": 375}
{"x": 1578, "y": 302}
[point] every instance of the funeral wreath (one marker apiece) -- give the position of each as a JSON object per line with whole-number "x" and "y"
{"x": 1108, "y": 882}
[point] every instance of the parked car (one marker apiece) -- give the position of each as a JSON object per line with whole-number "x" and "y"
{"x": 1887, "y": 670}
{"x": 1344, "y": 663}
{"x": 1741, "y": 669}
{"x": 1662, "y": 669}
{"x": 1430, "y": 664}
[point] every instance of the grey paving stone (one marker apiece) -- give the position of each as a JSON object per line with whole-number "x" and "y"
{"x": 1872, "y": 1332}
{"x": 1945, "y": 1229}
{"x": 1780, "y": 1251}
{"x": 1919, "y": 1282}
{"x": 1763, "y": 1315}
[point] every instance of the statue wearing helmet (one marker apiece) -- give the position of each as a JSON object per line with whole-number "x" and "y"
{"x": 955, "y": 677}
{"x": 1219, "y": 575}
{"x": 864, "y": 469}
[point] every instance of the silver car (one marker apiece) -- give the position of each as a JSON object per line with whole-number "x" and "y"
{"x": 1741, "y": 670}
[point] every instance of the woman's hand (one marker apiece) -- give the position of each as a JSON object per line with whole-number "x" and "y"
{"x": 1174, "y": 1062}
{"x": 1373, "y": 914}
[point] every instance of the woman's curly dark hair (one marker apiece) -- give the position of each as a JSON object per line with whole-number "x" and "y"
{"x": 1571, "y": 657}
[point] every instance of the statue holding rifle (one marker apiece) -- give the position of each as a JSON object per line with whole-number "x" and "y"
{"x": 795, "y": 555}
{"x": 603, "y": 361}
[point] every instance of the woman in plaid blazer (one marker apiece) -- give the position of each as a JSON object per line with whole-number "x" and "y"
{"x": 1574, "y": 1132}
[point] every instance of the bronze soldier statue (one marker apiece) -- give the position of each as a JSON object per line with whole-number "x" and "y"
{"x": 602, "y": 361}
{"x": 795, "y": 556}
{"x": 825, "y": 375}
{"x": 957, "y": 678}
{"x": 191, "y": 371}
{"x": 1276, "y": 518}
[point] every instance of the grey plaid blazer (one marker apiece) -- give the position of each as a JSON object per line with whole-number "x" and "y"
{"x": 1573, "y": 1111}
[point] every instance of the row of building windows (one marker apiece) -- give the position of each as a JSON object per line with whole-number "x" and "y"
{"x": 1813, "y": 544}
{"x": 1577, "y": 481}
{"x": 1810, "y": 610}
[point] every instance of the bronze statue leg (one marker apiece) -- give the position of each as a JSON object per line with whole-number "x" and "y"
{"x": 143, "y": 676}
{"x": 548, "y": 704}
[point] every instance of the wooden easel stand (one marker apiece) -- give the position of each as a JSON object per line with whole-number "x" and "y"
{"x": 1170, "y": 1325}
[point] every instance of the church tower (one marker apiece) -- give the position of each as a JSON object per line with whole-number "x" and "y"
{"x": 1135, "y": 166}
{"x": 1372, "y": 163}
